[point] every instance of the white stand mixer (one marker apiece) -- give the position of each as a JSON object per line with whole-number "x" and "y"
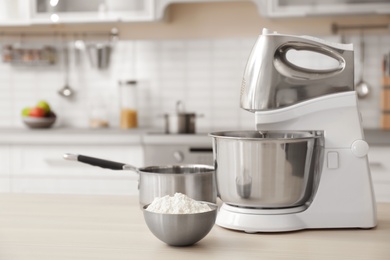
{"x": 344, "y": 197}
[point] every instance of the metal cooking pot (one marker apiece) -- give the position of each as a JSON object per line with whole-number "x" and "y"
{"x": 194, "y": 180}
{"x": 181, "y": 122}
{"x": 267, "y": 169}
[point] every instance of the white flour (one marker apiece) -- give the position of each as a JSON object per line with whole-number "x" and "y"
{"x": 177, "y": 204}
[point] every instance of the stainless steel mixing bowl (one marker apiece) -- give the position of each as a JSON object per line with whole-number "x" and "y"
{"x": 269, "y": 169}
{"x": 180, "y": 229}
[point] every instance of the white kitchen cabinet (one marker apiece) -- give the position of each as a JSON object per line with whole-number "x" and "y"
{"x": 35, "y": 12}
{"x": 379, "y": 158}
{"x": 42, "y": 169}
{"x": 15, "y": 12}
{"x": 5, "y": 171}
{"x": 91, "y": 11}
{"x": 305, "y": 8}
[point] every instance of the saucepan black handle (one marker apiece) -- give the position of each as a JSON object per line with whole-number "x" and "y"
{"x": 96, "y": 161}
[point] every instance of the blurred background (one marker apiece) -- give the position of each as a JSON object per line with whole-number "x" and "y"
{"x": 194, "y": 51}
{"x": 79, "y": 56}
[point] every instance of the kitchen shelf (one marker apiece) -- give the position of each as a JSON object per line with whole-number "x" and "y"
{"x": 27, "y": 35}
{"x": 29, "y": 56}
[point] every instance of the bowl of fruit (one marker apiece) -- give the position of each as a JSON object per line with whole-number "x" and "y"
{"x": 39, "y": 116}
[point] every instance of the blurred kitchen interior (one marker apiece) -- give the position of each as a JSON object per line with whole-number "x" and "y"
{"x": 194, "y": 51}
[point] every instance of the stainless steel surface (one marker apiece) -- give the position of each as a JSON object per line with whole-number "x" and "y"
{"x": 195, "y": 180}
{"x": 163, "y": 154}
{"x": 99, "y": 55}
{"x": 271, "y": 81}
{"x": 183, "y": 149}
{"x": 180, "y": 229}
{"x": 180, "y": 122}
{"x": 66, "y": 91}
{"x": 183, "y": 123}
{"x": 269, "y": 169}
{"x": 70, "y": 156}
{"x": 362, "y": 87}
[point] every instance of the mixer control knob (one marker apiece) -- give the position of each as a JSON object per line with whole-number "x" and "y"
{"x": 359, "y": 148}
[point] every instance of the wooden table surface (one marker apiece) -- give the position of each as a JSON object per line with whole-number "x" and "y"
{"x": 55, "y": 227}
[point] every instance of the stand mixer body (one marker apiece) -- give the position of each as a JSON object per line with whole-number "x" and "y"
{"x": 286, "y": 97}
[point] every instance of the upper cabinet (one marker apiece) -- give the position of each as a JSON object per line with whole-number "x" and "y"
{"x": 30, "y": 12}
{"x": 303, "y": 8}
{"x": 76, "y": 11}
{"x": 15, "y": 12}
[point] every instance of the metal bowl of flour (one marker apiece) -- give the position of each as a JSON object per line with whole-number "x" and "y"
{"x": 180, "y": 229}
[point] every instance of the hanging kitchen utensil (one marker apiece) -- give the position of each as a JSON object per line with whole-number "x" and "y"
{"x": 362, "y": 87}
{"x": 66, "y": 91}
{"x": 79, "y": 48}
{"x": 99, "y": 55}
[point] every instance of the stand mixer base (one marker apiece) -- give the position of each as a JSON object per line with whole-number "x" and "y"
{"x": 259, "y": 220}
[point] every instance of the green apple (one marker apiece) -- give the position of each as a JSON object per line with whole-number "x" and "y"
{"x": 26, "y": 111}
{"x": 44, "y": 105}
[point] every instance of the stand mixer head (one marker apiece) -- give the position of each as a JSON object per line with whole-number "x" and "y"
{"x": 286, "y": 98}
{"x": 271, "y": 81}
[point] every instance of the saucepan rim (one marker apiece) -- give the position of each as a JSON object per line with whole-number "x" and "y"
{"x": 170, "y": 169}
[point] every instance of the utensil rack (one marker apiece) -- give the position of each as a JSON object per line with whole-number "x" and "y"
{"x": 23, "y": 52}
{"x": 43, "y": 56}
{"x": 336, "y": 28}
{"x": 113, "y": 34}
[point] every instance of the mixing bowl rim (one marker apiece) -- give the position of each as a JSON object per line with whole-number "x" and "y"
{"x": 223, "y": 135}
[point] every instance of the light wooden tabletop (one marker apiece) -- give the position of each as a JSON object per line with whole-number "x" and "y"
{"x": 56, "y": 227}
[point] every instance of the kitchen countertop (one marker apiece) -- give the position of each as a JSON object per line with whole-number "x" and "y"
{"x": 111, "y": 136}
{"x": 124, "y": 137}
{"x": 70, "y": 136}
{"x": 112, "y": 227}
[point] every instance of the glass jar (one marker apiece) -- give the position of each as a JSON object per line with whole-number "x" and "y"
{"x": 98, "y": 115}
{"x": 128, "y": 104}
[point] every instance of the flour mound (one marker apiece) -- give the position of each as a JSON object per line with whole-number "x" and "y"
{"x": 177, "y": 204}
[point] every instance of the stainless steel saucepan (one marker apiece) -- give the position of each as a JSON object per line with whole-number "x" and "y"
{"x": 194, "y": 180}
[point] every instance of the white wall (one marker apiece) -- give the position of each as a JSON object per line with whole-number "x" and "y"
{"x": 205, "y": 74}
